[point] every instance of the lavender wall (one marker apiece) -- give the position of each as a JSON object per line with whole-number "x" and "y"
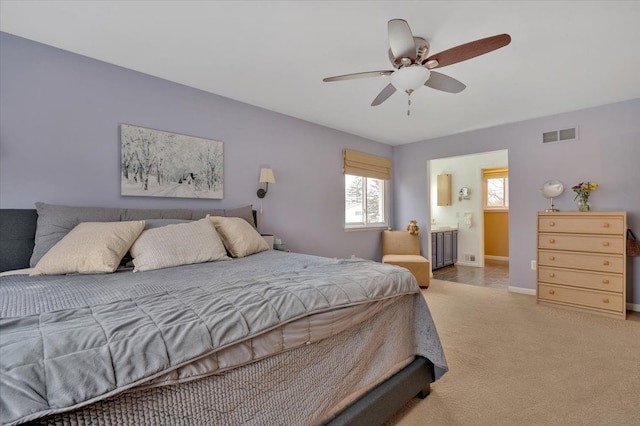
{"x": 607, "y": 152}
{"x": 59, "y": 143}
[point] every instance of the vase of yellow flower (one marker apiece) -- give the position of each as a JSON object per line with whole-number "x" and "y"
{"x": 583, "y": 205}
{"x": 583, "y": 190}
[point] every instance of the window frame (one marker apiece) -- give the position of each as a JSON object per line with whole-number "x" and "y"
{"x": 364, "y": 225}
{"x": 495, "y": 174}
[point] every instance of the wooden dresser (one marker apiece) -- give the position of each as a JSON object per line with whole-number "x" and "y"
{"x": 582, "y": 261}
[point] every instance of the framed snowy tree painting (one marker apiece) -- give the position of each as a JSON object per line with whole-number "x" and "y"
{"x": 154, "y": 163}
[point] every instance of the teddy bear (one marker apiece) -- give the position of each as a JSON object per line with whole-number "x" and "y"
{"x": 413, "y": 227}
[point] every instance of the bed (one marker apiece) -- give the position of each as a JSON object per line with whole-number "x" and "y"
{"x": 266, "y": 338}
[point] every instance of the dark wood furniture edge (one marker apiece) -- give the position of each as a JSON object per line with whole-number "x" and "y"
{"x": 383, "y": 401}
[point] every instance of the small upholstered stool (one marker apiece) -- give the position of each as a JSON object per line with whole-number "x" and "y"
{"x": 403, "y": 249}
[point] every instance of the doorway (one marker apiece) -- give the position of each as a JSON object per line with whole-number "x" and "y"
{"x": 476, "y": 263}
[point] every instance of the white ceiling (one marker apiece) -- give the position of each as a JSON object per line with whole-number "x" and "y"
{"x": 564, "y": 55}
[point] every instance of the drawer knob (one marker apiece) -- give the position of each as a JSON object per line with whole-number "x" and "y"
{"x": 605, "y": 300}
{"x": 605, "y": 263}
{"x": 552, "y": 275}
{"x": 605, "y": 225}
{"x": 552, "y": 240}
{"x": 552, "y": 224}
{"x": 605, "y": 243}
{"x": 605, "y": 281}
{"x": 552, "y": 258}
{"x": 552, "y": 292}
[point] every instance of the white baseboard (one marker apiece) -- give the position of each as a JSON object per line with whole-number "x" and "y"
{"x": 632, "y": 307}
{"x": 522, "y": 290}
{"x": 500, "y": 258}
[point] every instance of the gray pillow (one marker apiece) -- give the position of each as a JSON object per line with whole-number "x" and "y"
{"x": 183, "y": 214}
{"x": 55, "y": 221}
{"x": 159, "y": 223}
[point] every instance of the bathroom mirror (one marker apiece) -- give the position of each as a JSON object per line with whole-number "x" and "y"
{"x": 552, "y": 189}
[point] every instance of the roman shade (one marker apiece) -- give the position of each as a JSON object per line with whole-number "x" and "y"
{"x": 366, "y": 165}
{"x": 495, "y": 173}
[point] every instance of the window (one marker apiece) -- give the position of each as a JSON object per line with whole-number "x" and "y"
{"x": 496, "y": 189}
{"x": 365, "y": 190}
{"x": 364, "y": 201}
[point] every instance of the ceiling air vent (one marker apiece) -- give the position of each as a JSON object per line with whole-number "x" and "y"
{"x": 560, "y": 135}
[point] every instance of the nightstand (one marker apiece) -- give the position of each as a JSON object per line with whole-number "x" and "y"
{"x": 269, "y": 239}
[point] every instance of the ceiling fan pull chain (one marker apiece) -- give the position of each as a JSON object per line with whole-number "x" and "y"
{"x": 408, "y": 103}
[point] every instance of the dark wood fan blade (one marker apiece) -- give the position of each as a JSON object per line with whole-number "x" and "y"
{"x": 357, "y": 75}
{"x": 469, "y": 50}
{"x": 445, "y": 83}
{"x": 384, "y": 95}
{"x": 401, "y": 39}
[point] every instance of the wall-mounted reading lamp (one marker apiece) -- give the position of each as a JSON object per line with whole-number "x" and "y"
{"x": 266, "y": 177}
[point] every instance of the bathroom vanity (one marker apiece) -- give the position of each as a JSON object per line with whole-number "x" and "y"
{"x": 444, "y": 246}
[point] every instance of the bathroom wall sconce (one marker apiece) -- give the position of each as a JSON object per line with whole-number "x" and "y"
{"x": 464, "y": 194}
{"x": 266, "y": 177}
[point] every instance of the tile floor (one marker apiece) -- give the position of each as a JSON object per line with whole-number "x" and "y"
{"x": 495, "y": 274}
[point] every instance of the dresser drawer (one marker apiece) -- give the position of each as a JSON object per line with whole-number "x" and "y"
{"x": 592, "y": 280}
{"x": 588, "y": 261}
{"x": 588, "y": 243}
{"x": 582, "y": 224}
{"x": 593, "y": 299}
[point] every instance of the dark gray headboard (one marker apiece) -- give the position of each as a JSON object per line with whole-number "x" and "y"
{"x": 17, "y": 237}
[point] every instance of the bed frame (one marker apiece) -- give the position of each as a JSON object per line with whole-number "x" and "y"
{"x": 17, "y": 235}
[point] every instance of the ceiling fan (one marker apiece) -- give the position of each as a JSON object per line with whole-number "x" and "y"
{"x": 408, "y": 55}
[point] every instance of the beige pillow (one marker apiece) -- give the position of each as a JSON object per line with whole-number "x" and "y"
{"x": 90, "y": 248}
{"x": 238, "y": 236}
{"x": 179, "y": 244}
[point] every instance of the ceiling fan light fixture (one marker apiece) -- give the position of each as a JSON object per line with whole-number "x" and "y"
{"x": 410, "y": 78}
{"x": 432, "y": 63}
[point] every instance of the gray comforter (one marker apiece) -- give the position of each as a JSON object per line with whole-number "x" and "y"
{"x": 71, "y": 340}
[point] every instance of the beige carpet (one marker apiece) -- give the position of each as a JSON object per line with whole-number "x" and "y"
{"x": 513, "y": 362}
